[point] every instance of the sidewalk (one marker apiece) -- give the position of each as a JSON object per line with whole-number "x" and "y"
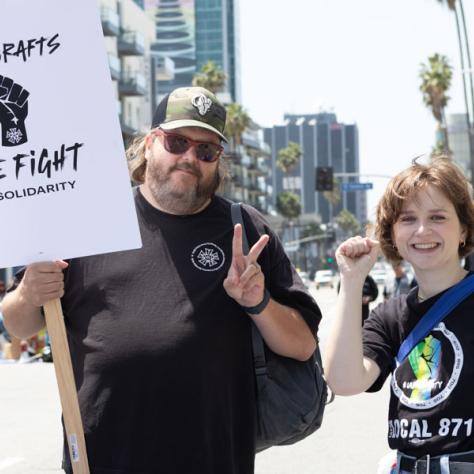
{"x": 30, "y": 419}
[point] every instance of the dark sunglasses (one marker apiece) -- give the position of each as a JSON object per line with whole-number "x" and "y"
{"x": 179, "y": 144}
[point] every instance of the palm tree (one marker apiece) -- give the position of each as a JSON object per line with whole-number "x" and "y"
{"x": 288, "y": 204}
{"x": 456, "y": 6}
{"x": 237, "y": 121}
{"x": 289, "y": 157}
{"x": 435, "y": 82}
{"x": 211, "y": 76}
{"x": 348, "y": 222}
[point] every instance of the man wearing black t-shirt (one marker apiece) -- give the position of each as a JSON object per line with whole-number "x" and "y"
{"x": 160, "y": 336}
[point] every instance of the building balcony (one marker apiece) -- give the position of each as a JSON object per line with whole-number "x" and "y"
{"x": 115, "y": 66}
{"x": 168, "y": 15}
{"x": 263, "y": 168}
{"x": 165, "y": 69}
{"x": 133, "y": 84}
{"x": 174, "y": 49}
{"x": 170, "y": 6}
{"x": 110, "y": 21}
{"x": 171, "y": 37}
{"x": 171, "y": 25}
{"x": 131, "y": 43}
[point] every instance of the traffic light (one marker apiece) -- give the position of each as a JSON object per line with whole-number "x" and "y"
{"x": 324, "y": 178}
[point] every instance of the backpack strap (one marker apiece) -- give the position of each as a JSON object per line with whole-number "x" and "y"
{"x": 259, "y": 360}
{"x": 435, "y": 314}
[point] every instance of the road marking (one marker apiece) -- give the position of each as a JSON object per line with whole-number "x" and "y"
{"x": 9, "y": 462}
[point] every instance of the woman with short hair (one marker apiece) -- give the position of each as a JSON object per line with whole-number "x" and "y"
{"x": 426, "y": 216}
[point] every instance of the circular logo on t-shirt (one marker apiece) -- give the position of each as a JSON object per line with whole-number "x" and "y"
{"x": 208, "y": 257}
{"x": 431, "y": 371}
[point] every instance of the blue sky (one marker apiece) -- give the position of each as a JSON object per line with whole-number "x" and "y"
{"x": 360, "y": 59}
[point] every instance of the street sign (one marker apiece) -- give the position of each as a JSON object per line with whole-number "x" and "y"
{"x": 356, "y": 186}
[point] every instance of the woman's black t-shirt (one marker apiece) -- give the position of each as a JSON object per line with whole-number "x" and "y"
{"x": 432, "y": 391}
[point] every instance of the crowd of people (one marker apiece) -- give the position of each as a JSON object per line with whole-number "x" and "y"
{"x": 160, "y": 337}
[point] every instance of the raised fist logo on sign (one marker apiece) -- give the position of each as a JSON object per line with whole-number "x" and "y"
{"x": 13, "y": 112}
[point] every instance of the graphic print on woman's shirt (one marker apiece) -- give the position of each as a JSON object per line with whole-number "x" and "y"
{"x": 431, "y": 371}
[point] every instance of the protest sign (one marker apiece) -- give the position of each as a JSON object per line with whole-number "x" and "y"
{"x": 64, "y": 186}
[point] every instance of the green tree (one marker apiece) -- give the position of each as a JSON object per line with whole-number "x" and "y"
{"x": 311, "y": 229}
{"x": 237, "y": 121}
{"x": 348, "y": 222}
{"x": 435, "y": 82}
{"x": 289, "y": 157}
{"x": 211, "y": 76}
{"x": 288, "y": 204}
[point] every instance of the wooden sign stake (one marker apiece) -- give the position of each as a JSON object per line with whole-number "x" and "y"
{"x": 67, "y": 386}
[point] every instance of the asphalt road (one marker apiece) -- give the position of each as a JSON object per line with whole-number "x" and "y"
{"x": 351, "y": 440}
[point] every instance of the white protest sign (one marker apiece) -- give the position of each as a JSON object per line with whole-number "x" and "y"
{"x": 64, "y": 185}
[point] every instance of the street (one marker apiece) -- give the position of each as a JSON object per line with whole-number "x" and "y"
{"x": 351, "y": 440}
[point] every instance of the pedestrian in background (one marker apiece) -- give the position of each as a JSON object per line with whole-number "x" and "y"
{"x": 10, "y": 347}
{"x": 160, "y": 337}
{"x": 370, "y": 292}
{"x": 426, "y": 216}
{"x": 400, "y": 285}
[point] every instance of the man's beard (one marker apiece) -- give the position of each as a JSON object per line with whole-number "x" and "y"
{"x": 182, "y": 200}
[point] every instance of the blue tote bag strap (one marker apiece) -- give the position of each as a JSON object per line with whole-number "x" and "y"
{"x": 436, "y": 313}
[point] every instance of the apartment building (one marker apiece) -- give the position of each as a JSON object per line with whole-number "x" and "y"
{"x": 324, "y": 141}
{"x": 249, "y": 166}
{"x": 128, "y": 34}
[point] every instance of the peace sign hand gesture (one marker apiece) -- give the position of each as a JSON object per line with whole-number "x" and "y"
{"x": 245, "y": 282}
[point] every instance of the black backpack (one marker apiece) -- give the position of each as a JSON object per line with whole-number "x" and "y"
{"x": 290, "y": 395}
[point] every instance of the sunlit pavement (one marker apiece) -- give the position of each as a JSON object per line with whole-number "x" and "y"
{"x": 351, "y": 440}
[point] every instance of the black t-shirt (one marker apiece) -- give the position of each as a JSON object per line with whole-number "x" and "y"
{"x": 369, "y": 289}
{"x": 432, "y": 391}
{"x": 161, "y": 354}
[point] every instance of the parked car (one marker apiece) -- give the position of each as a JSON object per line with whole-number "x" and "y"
{"x": 379, "y": 275}
{"x": 324, "y": 278}
{"x": 305, "y": 278}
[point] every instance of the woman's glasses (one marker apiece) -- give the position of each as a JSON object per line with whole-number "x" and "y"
{"x": 179, "y": 144}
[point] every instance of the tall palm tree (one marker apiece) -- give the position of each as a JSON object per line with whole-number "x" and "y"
{"x": 289, "y": 157}
{"x": 348, "y": 222}
{"x": 211, "y": 76}
{"x": 435, "y": 82}
{"x": 236, "y": 122}
{"x": 288, "y": 202}
{"x": 288, "y": 205}
{"x": 457, "y": 7}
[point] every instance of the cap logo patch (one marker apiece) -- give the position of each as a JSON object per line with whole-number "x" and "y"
{"x": 202, "y": 103}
